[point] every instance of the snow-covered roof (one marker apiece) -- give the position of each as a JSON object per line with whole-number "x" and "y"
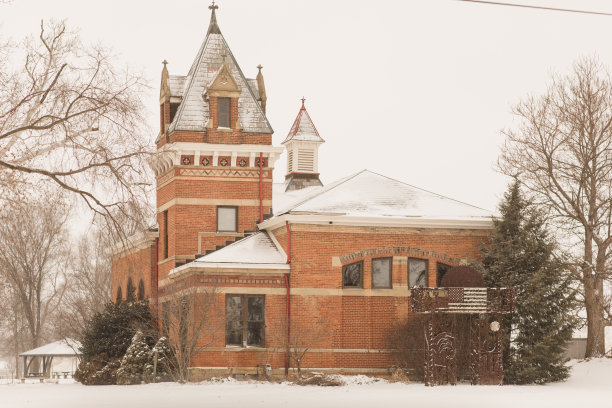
{"x": 303, "y": 129}
{"x": 193, "y": 112}
{"x": 254, "y": 249}
{"x": 368, "y": 194}
{"x": 283, "y": 200}
{"x": 65, "y": 347}
{"x": 177, "y": 85}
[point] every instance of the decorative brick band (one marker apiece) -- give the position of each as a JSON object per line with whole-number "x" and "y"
{"x": 247, "y": 281}
{"x": 222, "y": 173}
{"x": 397, "y": 251}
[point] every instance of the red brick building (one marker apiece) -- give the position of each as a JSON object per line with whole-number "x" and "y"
{"x": 336, "y": 260}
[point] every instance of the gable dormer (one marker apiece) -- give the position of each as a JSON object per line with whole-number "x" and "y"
{"x": 302, "y": 146}
{"x": 222, "y": 95}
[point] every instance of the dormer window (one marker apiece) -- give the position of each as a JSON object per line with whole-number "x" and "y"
{"x": 224, "y": 112}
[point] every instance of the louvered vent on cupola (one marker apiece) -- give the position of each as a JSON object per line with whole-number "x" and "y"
{"x": 306, "y": 160}
{"x": 290, "y": 161}
{"x": 302, "y": 145}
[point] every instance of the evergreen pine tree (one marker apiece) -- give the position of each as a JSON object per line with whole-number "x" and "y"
{"x": 134, "y": 361}
{"x": 163, "y": 369}
{"x": 522, "y": 256}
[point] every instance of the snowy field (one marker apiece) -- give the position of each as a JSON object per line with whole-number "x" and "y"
{"x": 590, "y": 385}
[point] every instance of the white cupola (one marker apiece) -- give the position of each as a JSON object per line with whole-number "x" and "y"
{"x": 302, "y": 146}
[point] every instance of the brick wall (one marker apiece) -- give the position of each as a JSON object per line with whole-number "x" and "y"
{"x": 354, "y": 326}
{"x": 139, "y": 264}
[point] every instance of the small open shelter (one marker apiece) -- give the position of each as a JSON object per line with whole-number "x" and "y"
{"x": 60, "y": 349}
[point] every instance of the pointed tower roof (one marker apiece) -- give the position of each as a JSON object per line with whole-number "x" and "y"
{"x": 193, "y": 112}
{"x": 213, "y": 27}
{"x": 303, "y": 129}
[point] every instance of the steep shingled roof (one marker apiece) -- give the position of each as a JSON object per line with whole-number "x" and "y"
{"x": 193, "y": 112}
{"x": 303, "y": 128}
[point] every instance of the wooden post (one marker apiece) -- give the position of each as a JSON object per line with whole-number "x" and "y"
{"x": 154, "y": 365}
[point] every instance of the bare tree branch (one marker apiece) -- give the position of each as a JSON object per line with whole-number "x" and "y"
{"x": 562, "y": 150}
{"x": 70, "y": 117}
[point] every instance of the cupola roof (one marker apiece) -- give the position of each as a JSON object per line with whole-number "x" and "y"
{"x": 303, "y": 129}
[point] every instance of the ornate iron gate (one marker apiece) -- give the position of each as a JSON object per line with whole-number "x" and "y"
{"x": 485, "y": 308}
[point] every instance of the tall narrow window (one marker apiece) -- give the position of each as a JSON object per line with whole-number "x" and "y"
{"x": 381, "y": 273}
{"x": 352, "y": 275}
{"x": 165, "y": 221}
{"x": 441, "y": 269}
{"x": 417, "y": 272}
{"x": 131, "y": 291}
{"x": 141, "y": 291}
{"x": 245, "y": 320}
{"x": 119, "y": 297}
{"x": 227, "y": 219}
{"x": 224, "y": 112}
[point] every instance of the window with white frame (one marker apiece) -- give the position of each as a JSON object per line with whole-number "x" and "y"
{"x": 381, "y": 273}
{"x": 227, "y": 219}
{"x": 417, "y": 272}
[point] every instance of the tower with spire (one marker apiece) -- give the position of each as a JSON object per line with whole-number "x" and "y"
{"x": 302, "y": 145}
{"x": 214, "y": 158}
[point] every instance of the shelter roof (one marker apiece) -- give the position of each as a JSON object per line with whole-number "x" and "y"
{"x": 64, "y": 348}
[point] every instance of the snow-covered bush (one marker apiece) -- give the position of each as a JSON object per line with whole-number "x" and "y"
{"x": 134, "y": 362}
{"x": 163, "y": 369}
{"x": 107, "y": 338}
{"x": 98, "y": 371}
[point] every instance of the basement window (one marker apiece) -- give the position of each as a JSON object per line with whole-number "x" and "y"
{"x": 381, "y": 273}
{"x": 245, "y": 320}
{"x": 417, "y": 272}
{"x": 352, "y": 275}
{"x": 224, "y": 112}
{"x": 227, "y": 219}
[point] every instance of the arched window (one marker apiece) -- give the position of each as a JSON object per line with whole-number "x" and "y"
{"x": 141, "y": 290}
{"x": 119, "y": 297}
{"x": 131, "y": 291}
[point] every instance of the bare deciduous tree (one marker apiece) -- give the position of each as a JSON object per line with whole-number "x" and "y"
{"x": 301, "y": 338}
{"x": 32, "y": 263}
{"x": 69, "y": 116}
{"x": 191, "y": 322}
{"x": 90, "y": 278}
{"x": 562, "y": 150}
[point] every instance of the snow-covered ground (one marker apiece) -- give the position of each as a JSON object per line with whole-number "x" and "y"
{"x": 590, "y": 385}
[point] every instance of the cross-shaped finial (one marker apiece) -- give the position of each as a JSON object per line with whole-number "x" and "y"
{"x": 165, "y": 62}
{"x": 213, "y": 6}
{"x": 259, "y": 67}
{"x": 303, "y": 99}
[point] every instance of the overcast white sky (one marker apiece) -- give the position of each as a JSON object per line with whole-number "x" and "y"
{"x": 417, "y": 90}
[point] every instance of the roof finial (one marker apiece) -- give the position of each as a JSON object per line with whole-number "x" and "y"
{"x": 213, "y": 28}
{"x": 259, "y": 67}
{"x": 165, "y": 63}
{"x": 303, "y": 99}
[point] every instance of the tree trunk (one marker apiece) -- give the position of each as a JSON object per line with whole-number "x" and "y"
{"x": 593, "y": 301}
